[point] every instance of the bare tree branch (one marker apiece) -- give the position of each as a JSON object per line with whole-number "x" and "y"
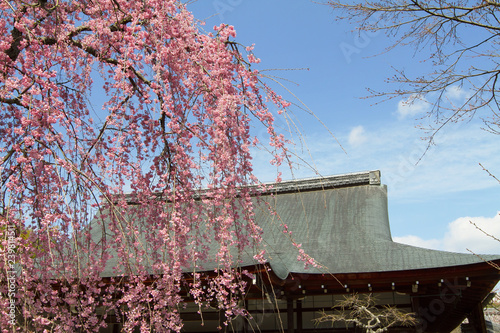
{"x": 362, "y": 311}
{"x": 460, "y": 39}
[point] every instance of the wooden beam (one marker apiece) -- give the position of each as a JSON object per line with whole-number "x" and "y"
{"x": 476, "y": 319}
{"x": 299, "y": 316}
{"x": 289, "y": 312}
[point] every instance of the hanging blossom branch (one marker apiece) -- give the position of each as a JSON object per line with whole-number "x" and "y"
{"x": 114, "y": 114}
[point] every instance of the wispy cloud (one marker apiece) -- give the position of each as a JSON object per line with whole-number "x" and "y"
{"x": 357, "y": 136}
{"x": 412, "y": 106}
{"x": 457, "y": 94}
{"x": 434, "y": 244}
{"x": 416, "y": 105}
{"x": 411, "y": 172}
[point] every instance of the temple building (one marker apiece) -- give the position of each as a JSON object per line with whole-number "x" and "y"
{"x": 342, "y": 222}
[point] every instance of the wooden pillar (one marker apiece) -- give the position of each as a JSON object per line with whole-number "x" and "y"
{"x": 476, "y": 319}
{"x": 290, "y": 317}
{"x": 299, "y": 316}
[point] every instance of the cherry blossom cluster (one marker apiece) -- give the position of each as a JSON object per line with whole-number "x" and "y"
{"x": 125, "y": 163}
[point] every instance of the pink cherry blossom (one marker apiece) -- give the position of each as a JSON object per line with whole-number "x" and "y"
{"x": 114, "y": 115}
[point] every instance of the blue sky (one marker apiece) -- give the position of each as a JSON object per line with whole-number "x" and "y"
{"x": 431, "y": 203}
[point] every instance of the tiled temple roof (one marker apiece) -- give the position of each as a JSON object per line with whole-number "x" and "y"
{"x": 342, "y": 222}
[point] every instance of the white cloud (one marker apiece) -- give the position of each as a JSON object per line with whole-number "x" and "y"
{"x": 457, "y": 94}
{"x": 462, "y": 235}
{"x": 412, "y": 106}
{"x": 418, "y": 104}
{"x": 417, "y": 241}
{"x": 357, "y": 136}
